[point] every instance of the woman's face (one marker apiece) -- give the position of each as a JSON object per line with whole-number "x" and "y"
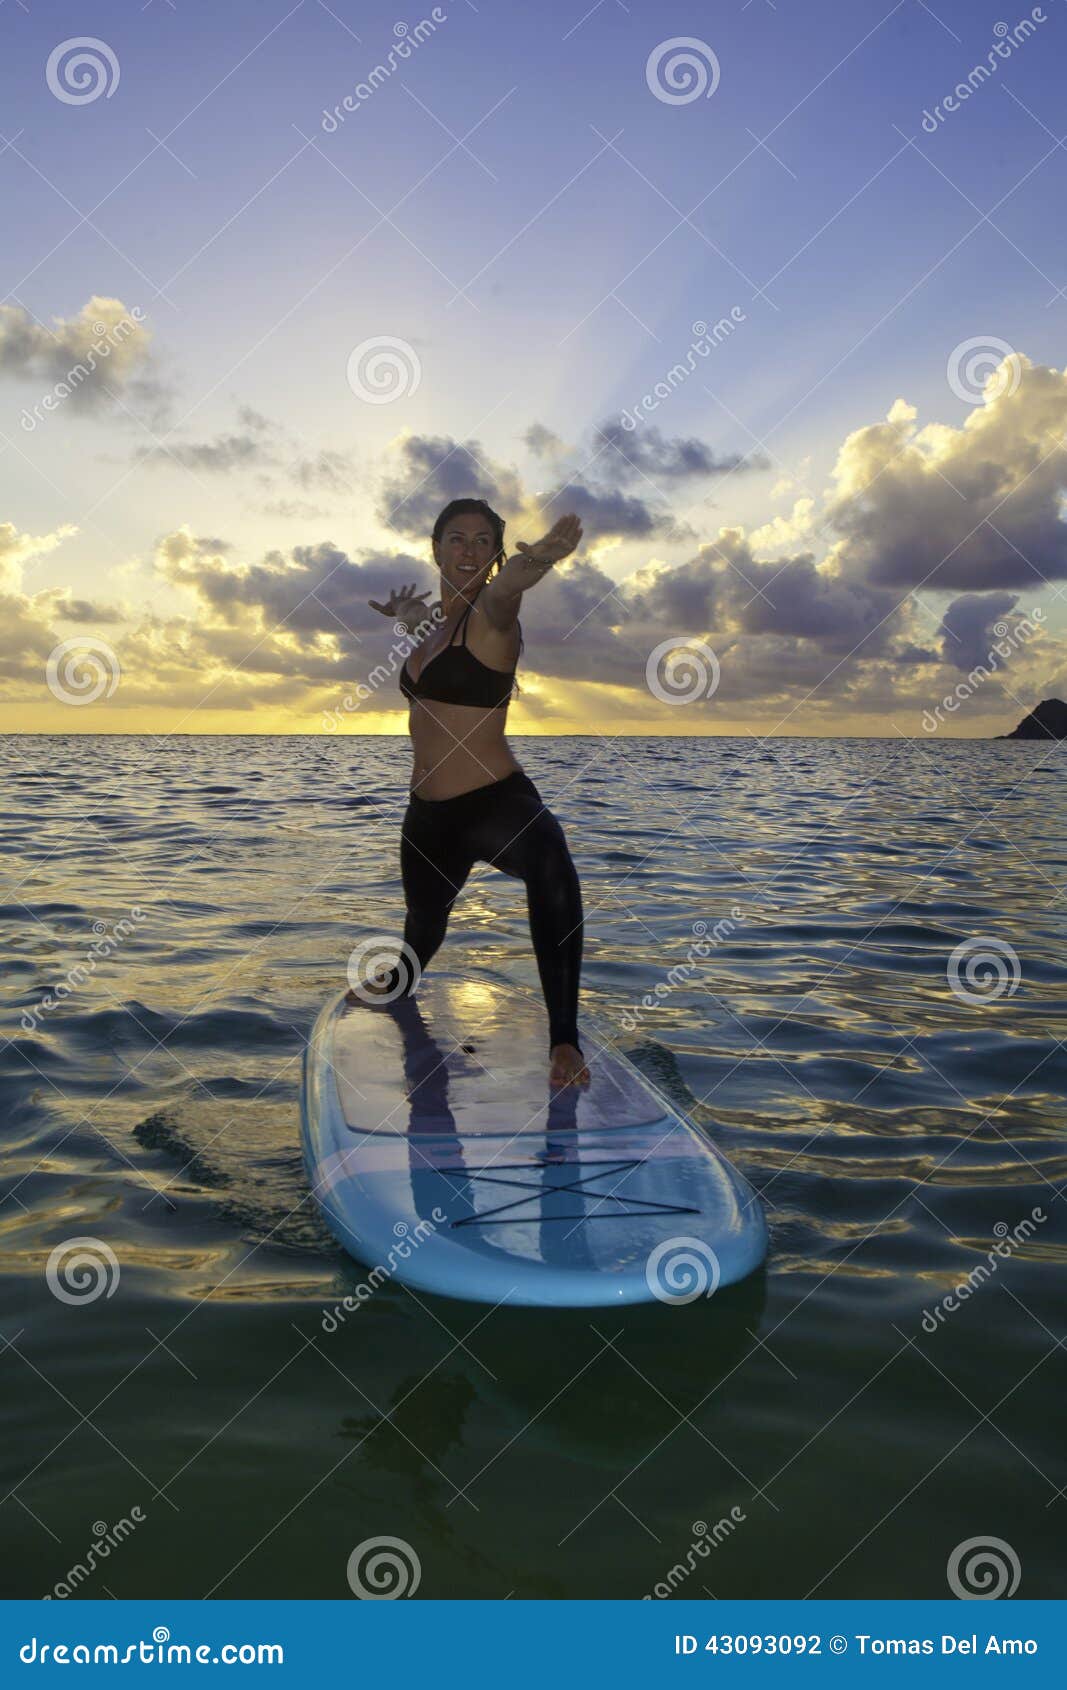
{"x": 465, "y": 551}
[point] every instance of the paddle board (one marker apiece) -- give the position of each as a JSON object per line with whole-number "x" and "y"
{"x": 442, "y": 1158}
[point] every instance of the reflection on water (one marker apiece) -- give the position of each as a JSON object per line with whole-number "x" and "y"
{"x": 897, "y": 1128}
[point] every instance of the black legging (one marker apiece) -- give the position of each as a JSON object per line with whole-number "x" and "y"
{"x": 506, "y": 824}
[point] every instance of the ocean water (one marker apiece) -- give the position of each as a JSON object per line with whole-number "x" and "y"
{"x": 175, "y": 914}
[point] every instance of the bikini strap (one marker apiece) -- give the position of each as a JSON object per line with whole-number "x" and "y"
{"x": 463, "y": 624}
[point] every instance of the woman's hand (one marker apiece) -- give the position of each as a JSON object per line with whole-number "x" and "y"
{"x": 405, "y": 605}
{"x": 525, "y": 567}
{"x": 558, "y": 543}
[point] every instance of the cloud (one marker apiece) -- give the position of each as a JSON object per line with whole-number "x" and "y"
{"x": 967, "y": 627}
{"x": 977, "y": 508}
{"x": 814, "y": 616}
{"x": 434, "y": 469}
{"x": 648, "y": 454}
{"x": 102, "y": 351}
{"x": 257, "y": 443}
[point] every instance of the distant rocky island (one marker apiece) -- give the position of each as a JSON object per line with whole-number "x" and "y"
{"x": 1048, "y": 721}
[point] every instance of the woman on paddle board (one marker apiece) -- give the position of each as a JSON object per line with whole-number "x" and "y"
{"x": 470, "y": 801}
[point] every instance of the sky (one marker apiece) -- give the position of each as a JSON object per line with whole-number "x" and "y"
{"x": 771, "y": 293}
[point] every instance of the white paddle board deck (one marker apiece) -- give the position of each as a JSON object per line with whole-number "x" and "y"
{"x": 442, "y": 1157}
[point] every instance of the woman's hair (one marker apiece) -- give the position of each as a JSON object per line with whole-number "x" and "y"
{"x": 473, "y": 507}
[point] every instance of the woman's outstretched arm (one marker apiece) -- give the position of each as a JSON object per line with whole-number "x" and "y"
{"x": 529, "y": 564}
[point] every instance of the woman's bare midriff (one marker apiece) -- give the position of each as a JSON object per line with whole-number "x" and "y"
{"x": 457, "y": 747}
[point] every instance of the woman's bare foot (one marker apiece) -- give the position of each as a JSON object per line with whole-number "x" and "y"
{"x": 568, "y": 1067}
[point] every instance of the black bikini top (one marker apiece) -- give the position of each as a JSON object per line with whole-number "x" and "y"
{"x": 455, "y": 676}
